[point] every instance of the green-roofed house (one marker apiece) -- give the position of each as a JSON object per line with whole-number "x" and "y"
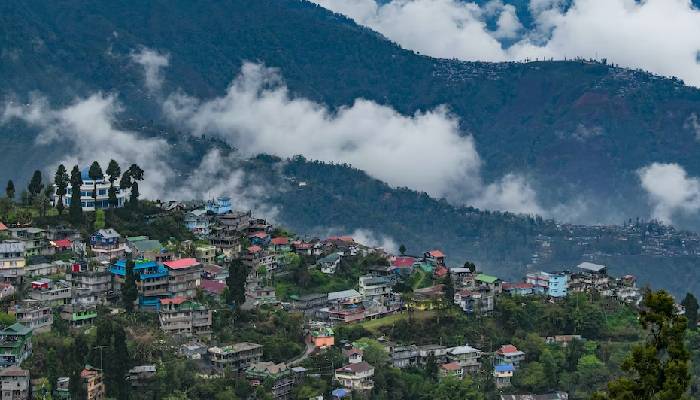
{"x": 493, "y": 283}
{"x": 150, "y": 249}
{"x": 15, "y": 345}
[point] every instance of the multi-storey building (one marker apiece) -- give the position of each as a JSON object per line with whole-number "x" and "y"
{"x": 53, "y": 294}
{"x": 35, "y": 315}
{"x": 183, "y": 277}
{"x": 14, "y": 384}
{"x": 107, "y": 244}
{"x": 87, "y": 201}
{"x": 93, "y": 383}
{"x": 152, "y": 281}
{"x": 550, "y": 284}
{"x": 79, "y": 315}
{"x": 15, "y": 345}
{"x": 237, "y": 356}
{"x": 35, "y": 241}
{"x": 281, "y": 377}
{"x": 179, "y": 316}
{"x": 90, "y": 280}
{"x": 205, "y": 254}
{"x": 12, "y": 261}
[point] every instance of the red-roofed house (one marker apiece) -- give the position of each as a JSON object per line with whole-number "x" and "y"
{"x": 62, "y": 245}
{"x": 509, "y": 354}
{"x": 435, "y": 256}
{"x": 403, "y": 262}
{"x": 441, "y": 271}
{"x": 519, "y": 288}
{"x": 183, "y": 277}
{"x": 452, "y": 369}
{"x": 254, "y": 249}
{"x": 303, "y": 248}
{"x": 172, "y": 301}
{"x": 280, "y": 244}
{"x": 92, "y": 382}
{"x": 213, "y": 288}
{"x": 3, "y": 227}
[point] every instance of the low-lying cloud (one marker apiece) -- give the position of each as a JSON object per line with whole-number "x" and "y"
{"x": 425, "y": 151}
{"x": 153, "y": 64}
{"x": 671, "y": 191}
{"x": 622, "y": 31}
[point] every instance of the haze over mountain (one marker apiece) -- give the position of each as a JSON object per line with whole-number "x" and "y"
{"x": 580, "y": 141}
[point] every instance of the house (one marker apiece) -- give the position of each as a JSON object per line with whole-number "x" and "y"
{"x": 90, "y": 280}
{"x": 183, "y": 277}
{"x": 34, "y": 315}
{"x": 107, "y": 245}
{"x": 87, "y": 200}
{"x": 436, "y": 257}
{"x": 492, "y": 283}
{"x": 478, "y": 301}
{"x": 467, "y": 357}
{"x": 61, "y": 390}
{"x": 15, "y": 345}
{"x": 212, "y": 288}
{"x": 403, "y": 356}
{"x": 427, "y": 298}
{"x": 303, "y": 248}
{"x": 280, "y": 377}
{"x": 549, "y": 396}
{"x": 353, "y": 354}
{"x": 51, "y": 293}
{"x": 12, "y": 261}
{"x": 436, "y": 351}
{"x": 329, "y": 263}
{"x": 550, "y": 284}
{"x": 219, "y": 206}
{"x": 141, "y": 375}
{"x": 262, "y": 295}
{"x": 451, "y": 369}
{"x": 260, "y": 238}
{"x": 205, "y": 254}
{"x": 152, "y": 281}
{"x": 502, "y": 374}
{"x": 519, "y": 288}
{"x": 193, "y": 350}
{"x": 356, "y": 376}
{"x": 35, "y": 241}
{"x": 79, "y": 315}
{"x": 322, "y": 337}
{"x": 179, "y": 316}
{"x": 151, "y": 249}
{"x": 350, "y": 296}
{"x": 237, "y": 356}
{"x": 280, "y": 244}
{"x": 198, "y": 222}
{"x": 463, "y": 277}
{"x": 93, "y": 383}
{"x": 374, "y": 288}
{"x": 308, "y": 304}
{"x": 62, "y": 245}
{"x": 14, "y": 382}
{"x": 509, "y": 354}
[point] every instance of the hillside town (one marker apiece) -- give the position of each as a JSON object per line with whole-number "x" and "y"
{"x": 62, "y": 278}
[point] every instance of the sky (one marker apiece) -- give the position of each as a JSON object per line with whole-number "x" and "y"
{"x": 660, "y": 36}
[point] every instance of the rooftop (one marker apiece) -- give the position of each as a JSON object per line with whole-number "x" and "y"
{"x": 234, "y": 348}
{"x": 14, "y": 371}
{"x": 356, "y": 367}
{"x": 181, "y": 263}
{"x": 486, "y": 278}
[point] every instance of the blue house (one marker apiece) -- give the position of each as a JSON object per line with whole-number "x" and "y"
{"x": 553, "y": 284}
{"x": 222, "y": 205}
{"x": 151, "y": 281}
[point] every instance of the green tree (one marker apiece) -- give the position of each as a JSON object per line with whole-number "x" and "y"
{"x": 658, "y": 368}
{"x": 452, "y": 388}
{"x": 10, "y": 190}
{"x": 61, "y": 180}
{"x": 135, "y": 174}
{"x": 35, "y": 186}
{"x": 95, "y": 174}
{"x": 75, "y": 209}
{"x": 402, "y": 249}
{"x": 531, "y": 377}
{"x": 237, "y": 275}
{"x": 129, "y": 290}
{"x": 690, "y": 303}
{"x": 113, "y": 171}
{"x": 119, "y": 364}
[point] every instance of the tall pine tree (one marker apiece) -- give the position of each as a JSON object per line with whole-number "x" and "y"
{"x": 95, "y": 174}
{"x": 691, "y": 310}
{"x": 113, "y": 171}
{"x": 61, "y": 180}
{"x": 75, "y": 210}
{"x": 35, "y": 186}
{"x": 237, "y": 275}
{"x": 10, "y": 190}
{"x": 129, "y": 290}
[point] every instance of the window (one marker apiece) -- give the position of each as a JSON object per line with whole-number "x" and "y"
{"x": 102, "y": 192}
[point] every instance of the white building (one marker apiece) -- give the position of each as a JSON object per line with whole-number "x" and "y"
{"x": 86, "y": 190}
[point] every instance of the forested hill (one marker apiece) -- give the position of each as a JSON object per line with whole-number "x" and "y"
{"x": 582, "y": 128}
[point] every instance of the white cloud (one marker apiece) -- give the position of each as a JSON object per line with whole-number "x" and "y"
{"x": 87, "y": 125}
{"x": 512, "y": 193}
{"x": 371, "y": 239}
{"x": 623, "y": 31}
{"x": 425, "y": 151}
{"x": 152, "y": 62}
{"x": 670, "y": 190}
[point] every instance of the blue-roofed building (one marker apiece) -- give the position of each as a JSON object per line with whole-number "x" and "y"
{"x": 151, "y": 281}
{"x": 502, "y": 373}
{"x": 221, "y": 205}
{"x": 86, "y": 189}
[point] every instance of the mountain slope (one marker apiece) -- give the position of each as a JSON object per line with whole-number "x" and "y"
{"x": 583, "y": 128}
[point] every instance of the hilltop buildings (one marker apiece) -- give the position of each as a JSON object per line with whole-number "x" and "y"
{"x": 87, "y": 201}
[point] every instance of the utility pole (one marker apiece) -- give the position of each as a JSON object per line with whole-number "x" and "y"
{"x": 100, "y": 347}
